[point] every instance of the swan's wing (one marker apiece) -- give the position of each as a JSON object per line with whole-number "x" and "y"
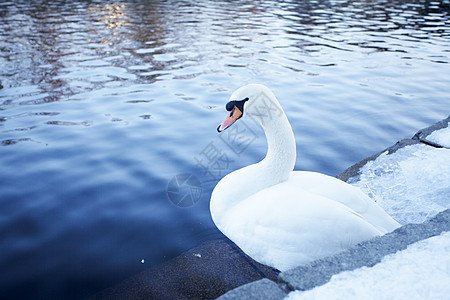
{"x": 284, "y": 227}
{"x": 350, "y": 196}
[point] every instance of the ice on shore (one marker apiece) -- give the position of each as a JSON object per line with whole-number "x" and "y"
{"x": 411, "y": 184}
{"x": 421, "y": 271}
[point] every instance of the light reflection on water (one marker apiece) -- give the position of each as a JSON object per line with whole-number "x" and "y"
{"x": 104, "y": 102}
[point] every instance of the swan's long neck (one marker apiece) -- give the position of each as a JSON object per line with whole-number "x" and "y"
{"x": 280, "y": 159}
{"x": 273, "y": 169}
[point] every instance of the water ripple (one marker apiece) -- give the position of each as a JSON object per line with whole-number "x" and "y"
{"x": 103, "y": 102}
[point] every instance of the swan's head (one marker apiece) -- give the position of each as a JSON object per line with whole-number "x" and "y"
{"x": 256, "y": 100}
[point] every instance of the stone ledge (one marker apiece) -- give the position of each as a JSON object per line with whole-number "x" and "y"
{"x": 367, "y": 253}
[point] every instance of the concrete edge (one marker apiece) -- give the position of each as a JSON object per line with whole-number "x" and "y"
{"x": 422, "y": 135}
{"x": 368, "y": 253}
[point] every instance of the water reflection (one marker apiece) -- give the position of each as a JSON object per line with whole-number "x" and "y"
{"x": 103, "y": 102}
{"x": 81, "y": 46}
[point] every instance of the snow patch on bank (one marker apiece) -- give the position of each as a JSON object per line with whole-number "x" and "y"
{"x": 411, "y": 184}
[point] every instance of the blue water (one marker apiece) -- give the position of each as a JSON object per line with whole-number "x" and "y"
{"x": 104, "y": 103}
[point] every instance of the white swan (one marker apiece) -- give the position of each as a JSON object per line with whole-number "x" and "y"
{"x": 285, "y": 218}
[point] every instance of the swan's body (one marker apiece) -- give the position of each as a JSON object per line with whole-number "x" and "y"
{"x": 284, "y": 218}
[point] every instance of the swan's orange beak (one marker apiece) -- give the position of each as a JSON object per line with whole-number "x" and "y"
{"x": 234, "y": 115}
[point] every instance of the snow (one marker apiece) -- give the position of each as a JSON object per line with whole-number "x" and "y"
{"x": 411, "y": 184}
{"x": 441, "y": 137}
{"x": 421, "y": 271}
